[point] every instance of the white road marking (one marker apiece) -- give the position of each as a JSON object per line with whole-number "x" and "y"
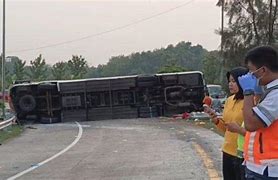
{"x": 119, "y": 128}
{"x": 51, "y": 158}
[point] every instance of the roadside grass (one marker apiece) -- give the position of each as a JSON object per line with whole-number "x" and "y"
{"x": 10, "y": 132}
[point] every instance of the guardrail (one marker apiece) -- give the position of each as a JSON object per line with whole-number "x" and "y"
{"x": 7, "y": 123}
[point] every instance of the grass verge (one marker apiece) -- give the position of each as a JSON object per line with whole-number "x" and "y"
{"x": 10, "y": 132}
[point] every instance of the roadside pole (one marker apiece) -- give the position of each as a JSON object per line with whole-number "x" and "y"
{"x": 3, "y": 60}
{"x": 223, "y": 64}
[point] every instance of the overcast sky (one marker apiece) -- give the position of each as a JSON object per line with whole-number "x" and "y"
{"x": 112, "y": 27}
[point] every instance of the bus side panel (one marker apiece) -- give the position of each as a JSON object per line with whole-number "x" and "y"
{"x": 73, "y": 100}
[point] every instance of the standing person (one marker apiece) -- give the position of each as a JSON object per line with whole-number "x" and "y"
{"x": 232, "y": 114}
{"x": 240, "y": 130}
{"x": 261, "y": 120}
{"x": 233, "y": 127}
{"x": 207, "y": 99}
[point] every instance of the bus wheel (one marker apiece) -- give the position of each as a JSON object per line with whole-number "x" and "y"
{"x": 27, "y": 103}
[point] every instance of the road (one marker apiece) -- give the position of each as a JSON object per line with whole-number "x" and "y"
{"x": 137, "y": 149}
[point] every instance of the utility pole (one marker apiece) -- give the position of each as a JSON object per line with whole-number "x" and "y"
{"x": 3, "y": 59}
{"x": 270, "y": 26}
{"x": 223, "y": 64}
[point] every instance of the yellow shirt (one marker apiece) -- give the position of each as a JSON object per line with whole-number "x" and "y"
{"x": 232, "y": 113}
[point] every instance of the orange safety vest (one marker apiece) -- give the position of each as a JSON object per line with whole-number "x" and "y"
{"x": 261, "y": 146}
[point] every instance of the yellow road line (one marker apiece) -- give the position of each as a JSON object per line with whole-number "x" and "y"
{"x": 212, "y": 173}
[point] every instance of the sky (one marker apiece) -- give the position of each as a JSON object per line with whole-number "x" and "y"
{"x": 98, "y": 30}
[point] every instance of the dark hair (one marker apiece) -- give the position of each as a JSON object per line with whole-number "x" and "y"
{"x": 235, "y": 73}
{"x": 263, "y": 56}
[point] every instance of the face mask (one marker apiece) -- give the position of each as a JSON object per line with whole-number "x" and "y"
{"x": 258, "y": 81}
{"x": 259, "y": 90}
{"x": 259, "y": 78}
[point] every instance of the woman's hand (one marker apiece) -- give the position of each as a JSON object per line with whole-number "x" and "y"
{"x": 209, "y": 111}
{"x": 233, "y": 127}
{"x": 212, "y": 114}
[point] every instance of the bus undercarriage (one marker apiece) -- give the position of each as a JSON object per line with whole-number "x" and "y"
{"x": 109, "y": 98}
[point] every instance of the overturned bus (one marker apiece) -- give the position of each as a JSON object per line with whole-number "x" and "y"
{"x": 109, "y": 98}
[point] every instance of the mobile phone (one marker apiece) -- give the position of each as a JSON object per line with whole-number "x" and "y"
{"x": 207, "y": 109}
{"x": 220, "y": 118}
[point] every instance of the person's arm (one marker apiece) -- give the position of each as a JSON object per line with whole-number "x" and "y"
{"x": 234, "y": 127}
{"x": 219, "y": 123}
{"x": 251, "y": 120}
{"x": 261, "y": 115}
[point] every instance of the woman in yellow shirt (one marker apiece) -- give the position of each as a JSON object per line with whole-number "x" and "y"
{"x": 232, "y": 113}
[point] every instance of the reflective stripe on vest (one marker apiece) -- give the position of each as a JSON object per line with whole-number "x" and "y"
{"x": 249, "y": 146}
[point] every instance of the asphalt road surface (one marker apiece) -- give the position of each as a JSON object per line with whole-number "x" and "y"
{"x": 130, "y": 149}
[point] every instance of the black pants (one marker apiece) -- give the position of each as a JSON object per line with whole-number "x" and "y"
{"x": 250, "y": 175}
{"x": 232, "y": 168}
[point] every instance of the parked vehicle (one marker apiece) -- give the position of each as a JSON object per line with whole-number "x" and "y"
{"x": 109, "y": 98}
{"x": 217, "y": 91}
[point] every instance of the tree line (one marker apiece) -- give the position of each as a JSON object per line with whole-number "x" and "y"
{"x": 38, "y": 70}
{"x": 174, "y": 58}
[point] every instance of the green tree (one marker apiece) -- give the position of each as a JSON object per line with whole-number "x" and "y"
{"x": 184, "y": 54}
{"x": 251, "y": 23}
{"x": 78, "y": 67}
{"x": 19, "y": 69}
{"x": 38, "y": 69}
{"x": 60, "y": 71}
{"x": 170, "y": 68}
{"x": 211, "y": 67}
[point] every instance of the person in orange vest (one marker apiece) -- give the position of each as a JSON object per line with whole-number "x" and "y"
{"x": 261, "y": 120}
{"x": 207, "y": 99}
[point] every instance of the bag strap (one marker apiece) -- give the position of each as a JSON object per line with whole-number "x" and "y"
{"x": 267, "y": 91}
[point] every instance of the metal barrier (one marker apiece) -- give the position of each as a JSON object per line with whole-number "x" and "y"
{"x": 7, "y": 123}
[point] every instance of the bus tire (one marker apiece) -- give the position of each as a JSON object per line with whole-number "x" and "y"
{"x": 27, "y": 103}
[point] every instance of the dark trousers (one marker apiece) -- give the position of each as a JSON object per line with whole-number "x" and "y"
{"x": 232, "y": 168}
{"x": 250, "y": 175}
